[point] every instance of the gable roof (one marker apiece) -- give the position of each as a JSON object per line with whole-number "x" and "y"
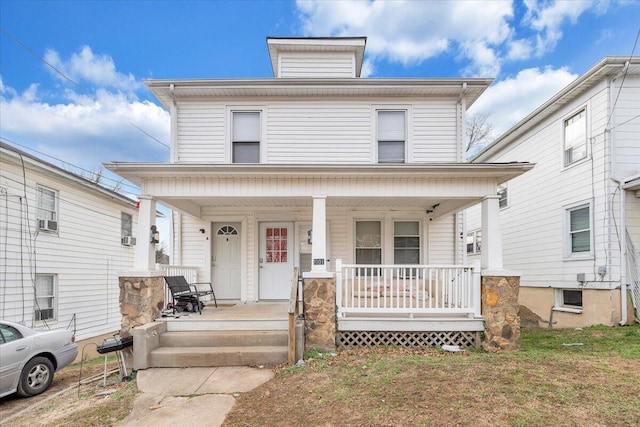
{"x": 11, "y": 154}
{"x": 609, "y": 66}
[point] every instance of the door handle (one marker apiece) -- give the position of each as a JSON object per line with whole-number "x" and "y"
{"x": 21, "y": 348}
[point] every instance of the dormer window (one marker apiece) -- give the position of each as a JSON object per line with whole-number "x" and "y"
{"x": 391, "y": 136}
{"x": 246, "y": 137}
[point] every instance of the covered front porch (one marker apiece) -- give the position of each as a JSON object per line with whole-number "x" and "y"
{"x": 327, "y": 213}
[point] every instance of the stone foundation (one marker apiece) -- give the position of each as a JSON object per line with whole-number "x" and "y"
{"x": 141, "y": 301}
{"x": 500, "y": 311}
{"x": 320, "y": 313}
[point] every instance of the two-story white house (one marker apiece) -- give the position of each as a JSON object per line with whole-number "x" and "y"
{"x": 321, "y": 169}
{"x": 63, "y": 242}
{"x": 571, "y": 226}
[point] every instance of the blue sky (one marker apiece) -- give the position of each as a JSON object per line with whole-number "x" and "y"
{"x": 107, "y": 48}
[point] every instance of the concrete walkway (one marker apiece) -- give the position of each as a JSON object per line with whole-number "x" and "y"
{"x": 190, "y": 396}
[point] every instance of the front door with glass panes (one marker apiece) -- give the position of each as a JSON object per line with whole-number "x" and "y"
{"x": 275, "y": 260}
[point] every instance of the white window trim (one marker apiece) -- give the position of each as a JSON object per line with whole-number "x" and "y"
{"x": 568, "y": 255}
{"x": 408, "y": 124}
{"x": 587, "y": 116}
{"x": 475, "y": 242}
{"x": 387, "y": 233}
{"x": 506, "y": 188}
{"x": 55, "y": 300}
{"x": 57, "y": 208}
{"x": 242, "y": 108}
{"x": 561, "y": 306}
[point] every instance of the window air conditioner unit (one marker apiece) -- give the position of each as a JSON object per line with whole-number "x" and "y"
{"x": 128, "y": 241}
{"x": 47, "y": 225}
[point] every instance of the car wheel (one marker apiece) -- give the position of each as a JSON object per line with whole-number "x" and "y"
{"x": 36, "y": 376}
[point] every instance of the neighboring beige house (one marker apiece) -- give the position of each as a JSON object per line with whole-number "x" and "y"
{"x": 571, "y": 226}
{"x": 321, "y": 169}
{"x": 63, "y": 242}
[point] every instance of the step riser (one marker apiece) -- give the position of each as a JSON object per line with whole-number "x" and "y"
{"x": 228, "y": 325}
{"x": 223, "y": 339}
{"x": 186, "y": 359}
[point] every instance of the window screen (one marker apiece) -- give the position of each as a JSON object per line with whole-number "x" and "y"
{"x": 246, "y": 137}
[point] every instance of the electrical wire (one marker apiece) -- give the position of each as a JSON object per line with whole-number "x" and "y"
{"x": 69, "y": 79}
{"x": 118, "y": 182}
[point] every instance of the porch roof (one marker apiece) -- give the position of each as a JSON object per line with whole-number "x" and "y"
{"x": 437, "y": 188}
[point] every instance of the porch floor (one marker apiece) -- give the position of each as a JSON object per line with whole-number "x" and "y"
{"x": 273, "y": 315}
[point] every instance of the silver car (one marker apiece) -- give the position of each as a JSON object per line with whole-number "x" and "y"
{"x": 29, "y": 358}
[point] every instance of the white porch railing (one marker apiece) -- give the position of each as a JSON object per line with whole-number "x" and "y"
{"x": 407, "y": 289}
{"x": 189, "y": 273}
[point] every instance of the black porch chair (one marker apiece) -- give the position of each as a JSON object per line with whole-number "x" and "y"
{"x": 183, "y": 291}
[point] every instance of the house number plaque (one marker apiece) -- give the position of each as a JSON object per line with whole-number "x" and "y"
{"x": 318, "y": 261}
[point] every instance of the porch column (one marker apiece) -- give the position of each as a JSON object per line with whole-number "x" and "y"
{"x": 145, "y": 256}
{"x": 491, "y": 252}
{"x": 319, "y": 235}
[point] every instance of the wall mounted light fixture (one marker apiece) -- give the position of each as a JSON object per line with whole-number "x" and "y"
{"x": 155, "y": 235}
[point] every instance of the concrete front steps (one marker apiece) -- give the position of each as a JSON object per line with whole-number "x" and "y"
{"x": 177, "y": 349}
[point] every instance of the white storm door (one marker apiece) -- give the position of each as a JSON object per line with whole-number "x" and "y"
{"x": 225, "y": 260}
{"x": 276, "y": 260}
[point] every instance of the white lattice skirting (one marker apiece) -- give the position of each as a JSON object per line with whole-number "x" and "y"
{"x": 364, "y": 339}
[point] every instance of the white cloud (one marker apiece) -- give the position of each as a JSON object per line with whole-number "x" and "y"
{"x": 510, "y": 100}
{"x": 85, "y": 66}
{"x": 86, "y": 127}
{"x": 409, "y": 32}
{"x": 547, "y": 18}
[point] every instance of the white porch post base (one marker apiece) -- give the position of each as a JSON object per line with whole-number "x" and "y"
{"x": 319, "y": 235}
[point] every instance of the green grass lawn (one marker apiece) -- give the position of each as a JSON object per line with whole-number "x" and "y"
{"x": 565, "y": 377}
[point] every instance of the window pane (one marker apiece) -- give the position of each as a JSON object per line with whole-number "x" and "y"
{"x": 579, "y": 219}
{"x": 368, "y": 234}
{"x": 575, "y": 138}
{"x": 478, "y": 241}
{"x": 572, "y": 297}
{"x": 406, "y": 228}
{"x": 246, "y": 126}
{"x": 126, "y": 221}
{"x": 580, "y": 242}
{"x": 44, "y": 296}
{"x": 368, "y": 256}
{"x": 406, "y": 256}
{"x": 502, "y": 192}
{"x": 246, "y": 152}
{"x": 391, "y": 126}
{"x": 391, "y": 152}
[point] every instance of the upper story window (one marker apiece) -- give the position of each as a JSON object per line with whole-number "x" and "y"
{"x": 47, "y": 211}
{"x": 575, "y": 138}
{"x": 391, "y": 136}
{"x": 126, "y": 229}
{"x": 245, "y": 140}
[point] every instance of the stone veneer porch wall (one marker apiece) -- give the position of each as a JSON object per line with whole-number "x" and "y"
{"x": 320, "y": 313}
{"x": 500, "y": 311}
{"x": 141, "y": 301}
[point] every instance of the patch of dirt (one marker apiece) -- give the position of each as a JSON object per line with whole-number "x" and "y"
{"x": 71, "y": 407}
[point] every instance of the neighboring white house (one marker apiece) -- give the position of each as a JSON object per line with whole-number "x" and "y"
{"x": 572, "y": 225}
{"x": 63, "y": 241}
{"x": 314, "y": 166}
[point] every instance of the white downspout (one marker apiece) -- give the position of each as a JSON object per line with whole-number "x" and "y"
{"x": 623, "y": 255}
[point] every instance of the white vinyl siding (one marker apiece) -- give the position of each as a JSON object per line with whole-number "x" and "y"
{"x": 317, "y": 65}
{"x": 433, "y": 133}
{"x": 338, "y": 131}
{"x": 201, "y": 132}
{"x": 86, "y": 256}
{"x": 391, "y": 136}
{"x": 320, "y": 132}
{"x": 626, "y": 122}
{"x": 575, "y": 137}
